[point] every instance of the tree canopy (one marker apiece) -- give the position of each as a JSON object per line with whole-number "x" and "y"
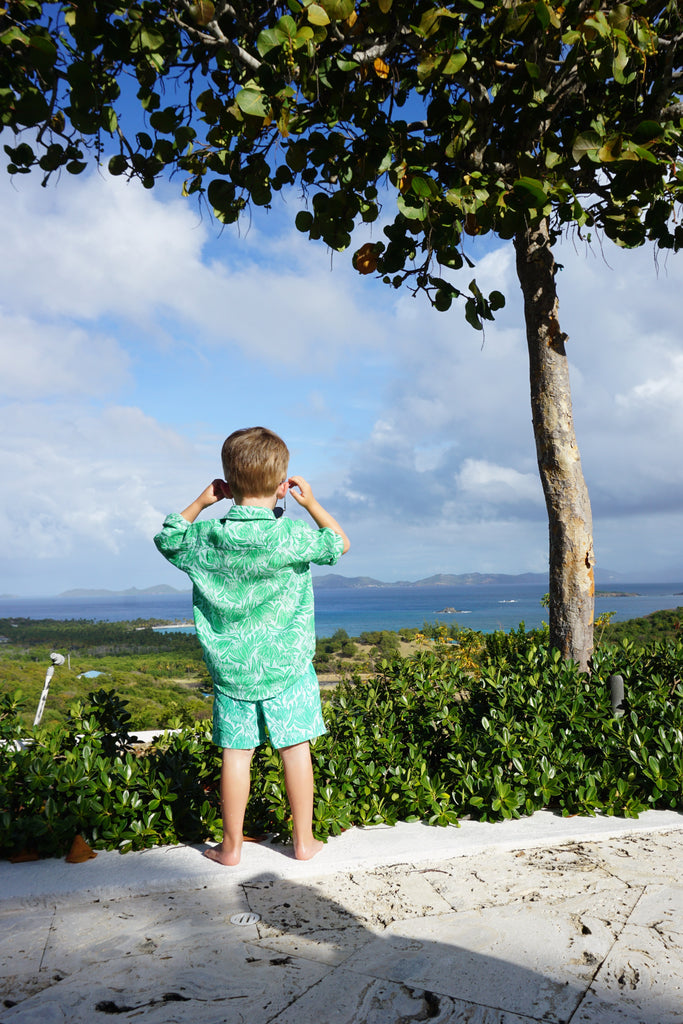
{"x": 520, "y": 119}
{"x": 478, "y": 116}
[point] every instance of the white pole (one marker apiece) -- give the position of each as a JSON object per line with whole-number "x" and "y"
{"x": 57, "y": 659}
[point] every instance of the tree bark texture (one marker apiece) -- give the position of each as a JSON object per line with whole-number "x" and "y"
{"x": 572, "y": 586}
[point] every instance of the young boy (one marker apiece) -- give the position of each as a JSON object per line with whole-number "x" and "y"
{"x": 253, "y": 610}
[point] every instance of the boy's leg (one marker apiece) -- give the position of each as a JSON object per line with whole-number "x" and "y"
{"x": 296, "y": 761}
{"x": 235, "y": 784}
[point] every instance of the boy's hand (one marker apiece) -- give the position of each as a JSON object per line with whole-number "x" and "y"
{"x": 216, "y": 491}
{"x": 318, "y": 514}
{"x": 213, "y": 493}
{"x": 305, "y": 495}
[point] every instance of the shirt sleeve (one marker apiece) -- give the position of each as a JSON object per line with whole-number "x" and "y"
{"x": 174, "y": 540}
{"x": 322, "y": 547}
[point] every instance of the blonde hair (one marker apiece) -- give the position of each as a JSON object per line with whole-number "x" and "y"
{"x": 255, "y": 462}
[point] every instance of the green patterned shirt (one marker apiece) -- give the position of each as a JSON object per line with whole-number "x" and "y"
{"x": 252, "y": 594}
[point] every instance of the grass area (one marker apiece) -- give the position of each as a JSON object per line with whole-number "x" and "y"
{"x": 163, "y": 678}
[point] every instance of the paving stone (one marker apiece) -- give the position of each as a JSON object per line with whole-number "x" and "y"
{"x": 22, "y": 942}
{"x": 641, "y": 982}
{"x": 331, "y": 917}
{"x": 661, "y": 909}
{"x": 343, "y": 997}
{"x": 235, "y": 985}
{"x": 642, "y": 859}
{"x": 533, "y": 960}
{"x": 156, "y": 925}
{"x": 499, "y": 878}
{"x": 589, "y": 931}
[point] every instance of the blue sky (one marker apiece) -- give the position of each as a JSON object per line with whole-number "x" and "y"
{"x": 135, "y": 334}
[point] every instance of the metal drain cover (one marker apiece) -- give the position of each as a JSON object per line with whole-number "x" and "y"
{"x": 245, "y": 919}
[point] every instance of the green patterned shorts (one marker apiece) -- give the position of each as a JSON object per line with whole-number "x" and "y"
{"x": 293, "y": 716}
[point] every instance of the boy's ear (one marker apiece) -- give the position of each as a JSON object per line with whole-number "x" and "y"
{"x": 227, "y": 493}
{"x": 282, "y": 489}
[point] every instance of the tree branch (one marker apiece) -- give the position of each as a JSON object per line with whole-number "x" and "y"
{"x": 216, "y": 39}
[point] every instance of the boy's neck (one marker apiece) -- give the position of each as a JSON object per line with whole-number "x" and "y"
{"x": 264, "y": 502}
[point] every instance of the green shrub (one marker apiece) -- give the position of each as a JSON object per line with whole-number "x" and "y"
{"x": 425, "y": 738}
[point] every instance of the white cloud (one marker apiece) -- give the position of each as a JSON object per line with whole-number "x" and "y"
{"x": 134, "y": 339}
{"x": 501, "y": 484}
{"x": 42, "y": 359}
{"x": 458, "y": 410}
{"x": 660, "y": 394}
{"x": 95, "y": 477}
{"x": 108, "y": 248}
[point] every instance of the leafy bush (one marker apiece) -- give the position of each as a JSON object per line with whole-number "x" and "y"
{"x": 426, "y": 738}
{"x": 666, "y": 624}
{"x": 83, "y": 778}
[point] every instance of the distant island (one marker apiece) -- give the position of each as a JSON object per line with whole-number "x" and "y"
{"x": 335, "y": 581}
{"x": 616, "y": 593}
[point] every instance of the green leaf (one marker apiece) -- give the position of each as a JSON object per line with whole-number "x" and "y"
{"x": 317, "y": 15}
{"x": 118, "y": 165}
{"x": 47, "y": 51}
{"x": 598, "y": 21}
{"x": 647, "y": 131}
{"x": 165, "y": 120}
{"x": 542, "y": 14}
{"x": 147, "y": 39}
{"x": 611, "y": 150}
{"x": 270, "y": 39}
{"x": 338, "y": 10}
{"x": 411, "y": 211}
{"x": 303, "y": 36}
{"x": 304, "y": 221}
{"x": 252, "y": 101}
{"x": 586, "y": 144}
{"x": 14, "y": 35}
{"x": 620, "y": 17}
{"x": 533, "y": 186}
{"x": 632, "y": 152}
{"x": 619, "y": 65}
{"x": 221, "y": 194}
{"x": 455, "y": 62}
{"x": 109, "y": 119}
{"x": 296, "y": 156}
{"x": 472, "y": 317}
{"x": 429, "y": 22}
{"x": 425, "y": 187}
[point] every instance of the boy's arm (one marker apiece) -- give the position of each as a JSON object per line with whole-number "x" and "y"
{"x": 209, "y": 496}
{"x": 171, "y": 541}
{"x": 320, "y": 516}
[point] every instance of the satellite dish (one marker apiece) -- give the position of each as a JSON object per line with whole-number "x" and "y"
{"x": 57, "y": 659}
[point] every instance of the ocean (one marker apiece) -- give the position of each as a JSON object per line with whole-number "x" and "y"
{"x": 481, "y": 607}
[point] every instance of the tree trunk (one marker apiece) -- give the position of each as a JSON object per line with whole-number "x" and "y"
{"x": 570, "y": 523}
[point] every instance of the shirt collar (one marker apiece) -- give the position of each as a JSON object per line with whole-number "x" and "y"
{"x": 250, "y": 512}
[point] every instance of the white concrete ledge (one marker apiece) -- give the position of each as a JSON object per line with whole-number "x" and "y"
{"x": 111, "y": 875}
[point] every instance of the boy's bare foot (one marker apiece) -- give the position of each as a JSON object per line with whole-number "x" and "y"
{"x": 304, "y": 851}
{"x": 228, "y": 858}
